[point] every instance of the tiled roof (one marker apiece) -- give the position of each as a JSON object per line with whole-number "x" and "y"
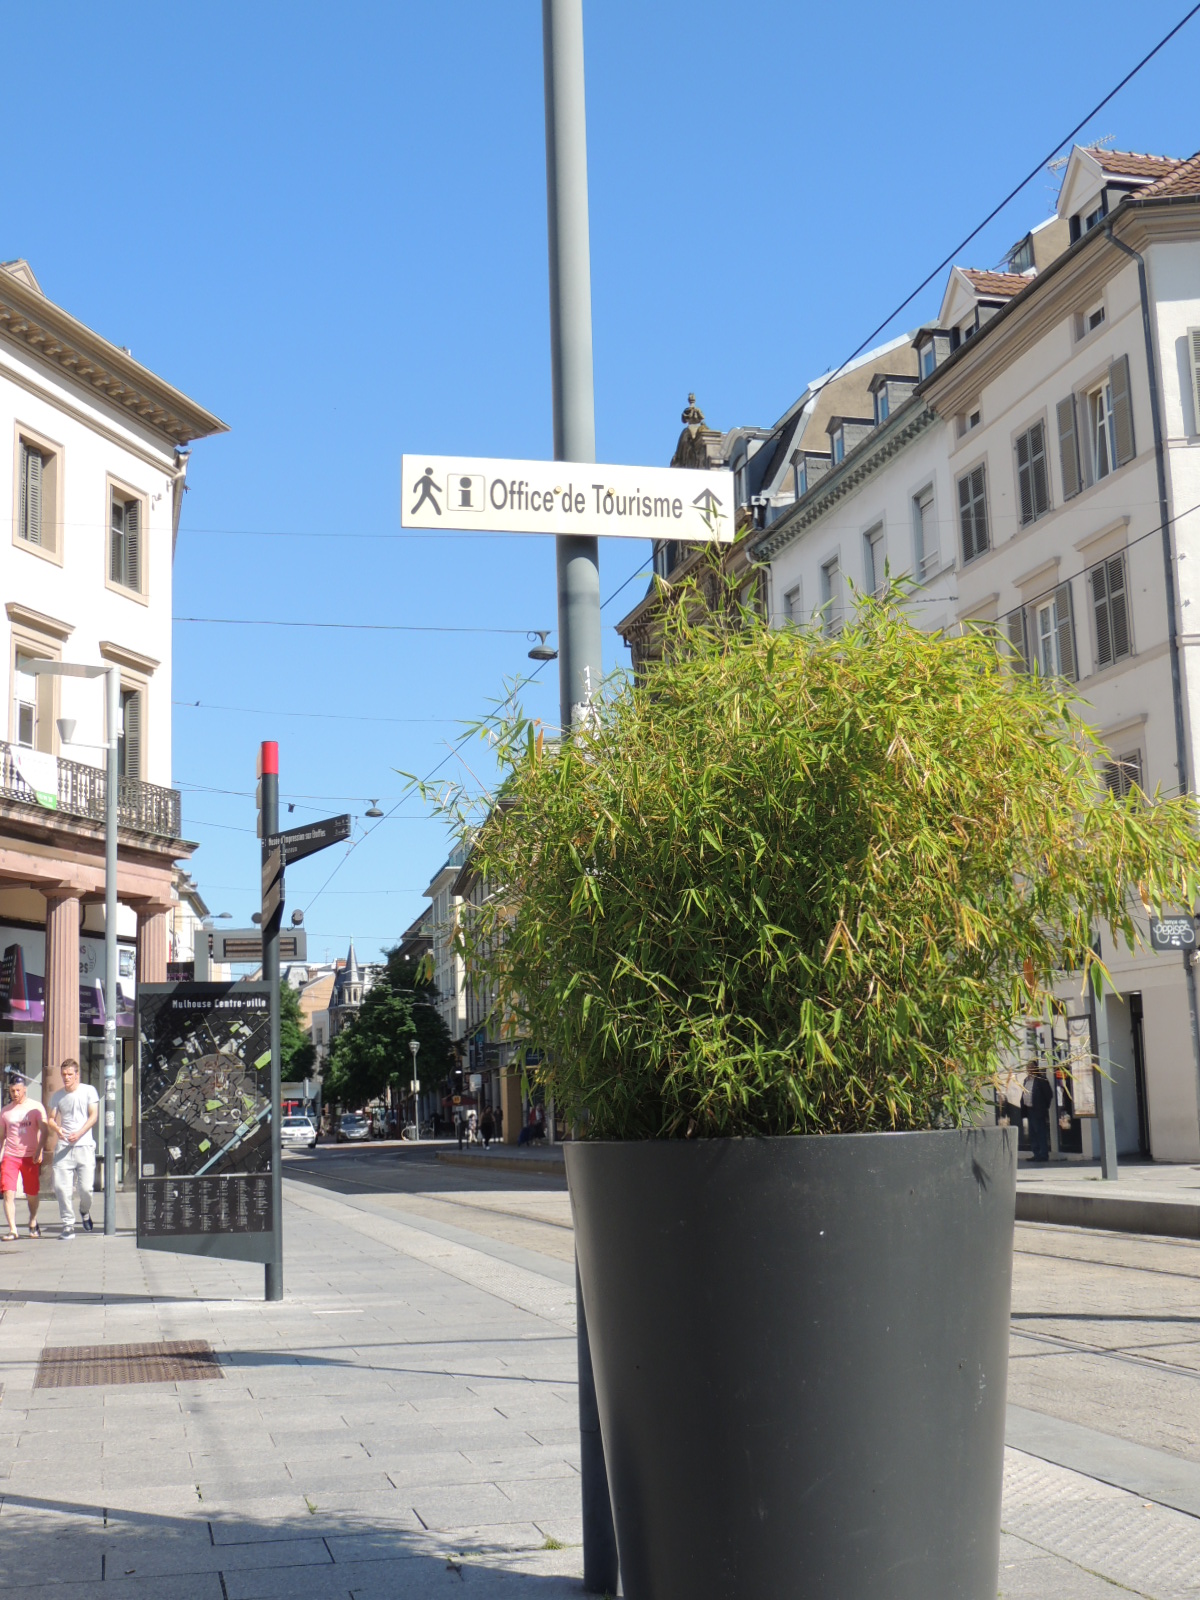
{"x": 1132, "y": 164}
{"x": 1000, "y": 285}
{"x": 1184, "y": 179}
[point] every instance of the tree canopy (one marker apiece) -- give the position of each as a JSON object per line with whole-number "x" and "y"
{"x": 373, "y": 1050}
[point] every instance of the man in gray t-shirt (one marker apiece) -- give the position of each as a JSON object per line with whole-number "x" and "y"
{"x": 74, "y": 1112}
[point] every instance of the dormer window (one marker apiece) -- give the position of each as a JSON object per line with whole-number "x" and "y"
{"x": 928, "y": 359}
{"x": 839, "y": 445}
{"x": 881, "y": 406}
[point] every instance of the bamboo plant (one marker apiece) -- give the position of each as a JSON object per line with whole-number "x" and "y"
{"x": 793, "y": 883}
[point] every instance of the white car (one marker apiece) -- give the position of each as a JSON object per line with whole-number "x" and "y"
{"x": 297, "y": 1133}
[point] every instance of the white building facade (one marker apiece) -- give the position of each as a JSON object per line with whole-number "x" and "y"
{"x": 92, "y": 471}
{"x": 1052, "y": 446}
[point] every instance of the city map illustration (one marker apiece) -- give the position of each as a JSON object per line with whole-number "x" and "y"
{"x": 205, "y": 1089}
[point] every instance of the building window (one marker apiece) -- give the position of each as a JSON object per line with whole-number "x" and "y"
{"x": 874, "y": 561}
{"x": 36, "y": 512}
{"x": 881, "y": 406}
{"x": 25, "y": 704}
{"x": 1101, "y": 442}
{"x": 972, "y": 513}
{"x": 928, "y": 360}
{"x": 791, "y": 606}
{"x": 926, "y": 556}
{"x": 831, "y": 595}
{"x": 1110, "y": 610}
{"x": 125, "y": 542}
{"x": 129, "y": 738}
{"x": 1194, "y": 355}
{"x": 1123, "y": 774}
{"x": 1109, "y": 412}
{"x": 1033, "y": 476}
{"x": 839, "y": 446}
{"x": 1054, "y": 634}
{"x": 1096, "y": 217}
{"x": 1088, "y": 321}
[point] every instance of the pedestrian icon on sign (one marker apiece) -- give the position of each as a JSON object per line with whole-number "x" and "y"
{"x": 425, "y": 488}
{"x": 466, "y": 493}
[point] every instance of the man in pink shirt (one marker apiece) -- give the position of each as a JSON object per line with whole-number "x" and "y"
{"x": 23, "y": 1124}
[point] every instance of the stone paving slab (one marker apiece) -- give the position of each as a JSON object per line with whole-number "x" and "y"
{"x": 422, "y": 1444}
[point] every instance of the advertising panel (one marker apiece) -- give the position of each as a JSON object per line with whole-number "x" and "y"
{"x": 204, "y": 1119}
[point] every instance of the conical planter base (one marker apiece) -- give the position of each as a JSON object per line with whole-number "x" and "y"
{"x": 800, "y": 1348}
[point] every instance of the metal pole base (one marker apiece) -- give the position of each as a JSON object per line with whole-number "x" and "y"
{"x": 274, "y": 1281}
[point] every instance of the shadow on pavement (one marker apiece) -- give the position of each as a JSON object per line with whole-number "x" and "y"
{"x": 293, "y": 1554}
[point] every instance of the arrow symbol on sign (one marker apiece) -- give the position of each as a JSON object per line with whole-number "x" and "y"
{"x": 707, "y": 501}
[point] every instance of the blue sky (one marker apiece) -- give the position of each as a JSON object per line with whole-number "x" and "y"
{"x": 328, "y": 226}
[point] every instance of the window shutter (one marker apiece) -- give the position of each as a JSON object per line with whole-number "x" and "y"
{"x": 1065, "y": 623}
{"x": 1068, "y": 447}
{"x": 1017, "y": 637}
{"x": 31, "y": 494}
{"x": 133, "y": 545}
{"x": 1194, "y": 352}
{"x": 131, "y": 733}
{"x": 116, "y": 552}
{"x": 1122, "y": 404}
{"x": 1037, "y": 463}
{"x": 1118, "y": 606}
{"x": 1025, "y": 479}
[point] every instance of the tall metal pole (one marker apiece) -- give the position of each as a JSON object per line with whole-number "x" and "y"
{"x": 270, "y": 949}
{"x": 1105, "y": 1113}
{"x": 112, "y": 718}
{"x": 571, "y": 344}
{"x": 578, "y": 562}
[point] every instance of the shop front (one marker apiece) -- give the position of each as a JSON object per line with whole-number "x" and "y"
{"x": 23, "y": 1018}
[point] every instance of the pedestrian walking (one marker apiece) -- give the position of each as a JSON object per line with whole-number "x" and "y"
{"x": 1041, "y": 1097}
{"x": 23, "y": 1122}
{"x": 487, "y": 1127}
{"x": 472, "y": 1126}
{"x": 460, "y": 1129}
{"x": 74, "y": 1112}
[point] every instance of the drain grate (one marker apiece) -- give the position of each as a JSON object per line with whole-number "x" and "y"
{"x": 75, "y": 1366}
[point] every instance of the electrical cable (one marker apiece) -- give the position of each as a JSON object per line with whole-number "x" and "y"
{"x": 1012, "y": 194}
{"x": 319, "y": 716}
{"x": 350, "y": 627}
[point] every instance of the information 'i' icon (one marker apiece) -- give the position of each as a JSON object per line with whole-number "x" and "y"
{"x": 466, "y": 492}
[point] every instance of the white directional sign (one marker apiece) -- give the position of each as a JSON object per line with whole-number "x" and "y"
{"x": 464, "y": 492}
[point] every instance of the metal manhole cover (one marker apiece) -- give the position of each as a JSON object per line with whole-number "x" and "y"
{"x": 72, "y": 1366}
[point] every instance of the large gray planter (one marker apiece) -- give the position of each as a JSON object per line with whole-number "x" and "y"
{"x": 800, "y": 1348}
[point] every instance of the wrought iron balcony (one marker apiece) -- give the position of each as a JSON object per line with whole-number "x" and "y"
{"x": 81, "y": 790}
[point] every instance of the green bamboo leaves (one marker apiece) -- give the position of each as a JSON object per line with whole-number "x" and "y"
{"x": 794, "y": 884}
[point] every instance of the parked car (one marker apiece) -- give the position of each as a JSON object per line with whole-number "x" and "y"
{"x": 352, "y": 1127}
{"x": 297, "y": 1132}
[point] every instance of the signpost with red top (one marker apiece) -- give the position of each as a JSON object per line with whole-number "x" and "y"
{"x": 272, "y": 916}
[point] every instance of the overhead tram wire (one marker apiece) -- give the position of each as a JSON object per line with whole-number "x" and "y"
{"x": 317, "y": 716}
{"x": 638, "y": 571}
{"x": 350, "y": 627}
{"x": 1013, "y": 193}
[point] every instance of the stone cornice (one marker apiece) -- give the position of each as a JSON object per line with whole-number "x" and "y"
{"x": 905, "y": 425}
{"x": 38, "y": 327}
{"x": 27, "y": 617}
{"x": 124, "y": 657}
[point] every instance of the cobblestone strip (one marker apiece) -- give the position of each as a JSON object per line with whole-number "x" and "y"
{"x": 529, "y": 1291}
{"x": 1147, "y": 1548}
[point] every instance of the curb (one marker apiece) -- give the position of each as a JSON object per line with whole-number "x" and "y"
{"x": 535, "y": 1164}
{"x": 1172, "y": 1219}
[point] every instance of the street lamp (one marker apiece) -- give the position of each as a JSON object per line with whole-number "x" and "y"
{"x": 112, "y": 711}
{"x": 414, "y": 1045}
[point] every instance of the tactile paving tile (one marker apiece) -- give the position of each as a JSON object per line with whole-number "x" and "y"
{"x": 72, "y": 1366}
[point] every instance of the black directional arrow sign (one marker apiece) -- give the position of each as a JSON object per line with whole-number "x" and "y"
{"x": 297, "y": 843}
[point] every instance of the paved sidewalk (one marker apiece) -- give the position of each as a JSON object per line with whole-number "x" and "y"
{"x": 1145, "y": 1197}
{"x": 403, "y": 1425}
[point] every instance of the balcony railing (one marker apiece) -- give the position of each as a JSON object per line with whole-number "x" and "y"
{"x": 81, "y": 790}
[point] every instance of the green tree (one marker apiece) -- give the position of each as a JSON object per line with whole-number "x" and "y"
{"x": 792, "y": 883}
{"x": 373, "y": 1051}
{"x": 297, "y": 1054}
